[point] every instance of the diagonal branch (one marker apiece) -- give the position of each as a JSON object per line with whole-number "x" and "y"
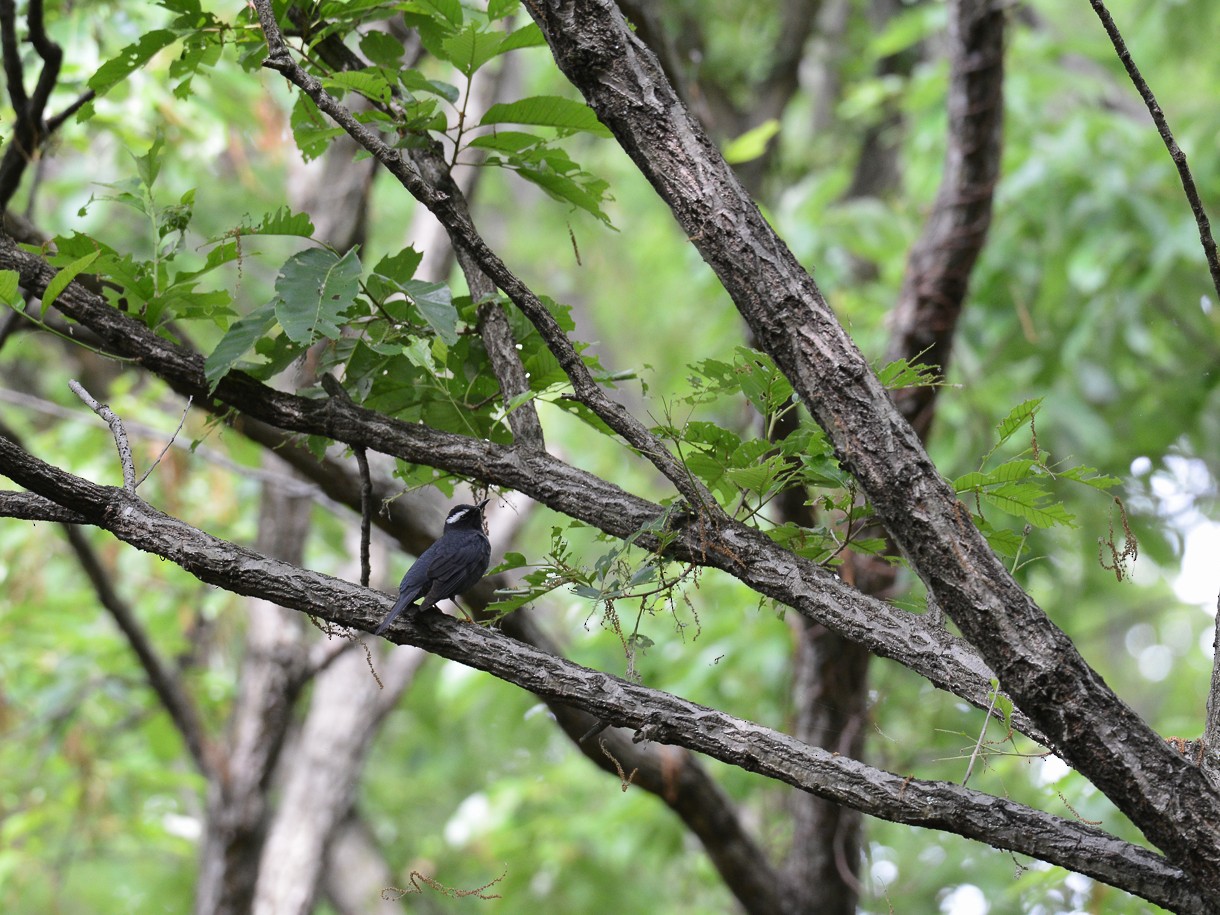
{"x": 1091, "y": 728}
{"x": 464, "y": 236}
{"x": 1206, "y": 239}
{"x": 747, "y": 554}
{"x": 653, "y": 714}
{"x": 429, "y": 161}
{"x": 30, "y": 130}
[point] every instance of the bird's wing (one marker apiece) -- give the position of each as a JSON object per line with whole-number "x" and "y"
{"x": 413, "y": 586}
{"x": 455, "y": 570}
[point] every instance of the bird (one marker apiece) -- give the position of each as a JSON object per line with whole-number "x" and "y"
{"x": 450, "y": 566}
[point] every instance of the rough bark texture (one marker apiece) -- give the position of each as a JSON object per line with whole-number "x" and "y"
{"x": 653, "y": 715}
{"x": 747, "y": 554}
{"x": 1097, "y": 733}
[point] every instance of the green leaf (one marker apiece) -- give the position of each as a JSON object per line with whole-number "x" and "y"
{"x": 310, "y": 130}
{"x": 9, "y": 294}
{"x": 1008, "y": 472}
{"x": 470, "y": 48}
{"x": 236, "y": 342}
{"x": 399, "y": 267}
{"x": 902, "y": 373}
{"x": 417, "y": 82}
{"x": 751, "y": 144}
{"x": 315, "y": 287}
{"x": 564, "y": 189}
{"x": 761, "y": 382}
{"x": 130, "y": 59}
{"x": 511, "y": 561}
{"x": 66, "y": 275}
{"x": 546, "y": 111}
{"x": 449, "y": 10}
{"x": 282, "y": 222}
{"x": 498, "y": 9}
{"x": 508, "y": 141}
{"x": 1028, "y": 501}
{"x": 372, "y": 84}
{"x": 149, "y": 165}
{"x": 528, "y": 36}
{"x": 381, "y": 49}
{"x": 435, "y": 303}
{"x": 1016, "y": 418}
{"x": 1089, "y": 476}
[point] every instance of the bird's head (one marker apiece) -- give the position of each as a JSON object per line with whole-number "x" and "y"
{"x": 467, "y": 517}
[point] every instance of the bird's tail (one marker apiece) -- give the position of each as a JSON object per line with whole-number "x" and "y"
{"x": 399, "y": 605}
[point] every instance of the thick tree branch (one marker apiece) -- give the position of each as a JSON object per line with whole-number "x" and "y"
{"x": 429, "y": 161}
{"x": 743, "y": 552}
{"x": 1097, "y": 733}
{"x": 653, "y": 714}
{"x": 464, "y": 237}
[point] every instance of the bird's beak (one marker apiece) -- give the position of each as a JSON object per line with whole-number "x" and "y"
{"x": 482, "y": 505}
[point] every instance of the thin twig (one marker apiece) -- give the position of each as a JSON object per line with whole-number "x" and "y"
{"x": 464, "y": 235}
{"x": 1175, "y": 151}
{"x": 978, "y": 744}
{"x": 168, "y": 444}
{"x": 116, "y": 429}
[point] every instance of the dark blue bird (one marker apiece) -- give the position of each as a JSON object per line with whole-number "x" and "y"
{"x": 447, "y": 568}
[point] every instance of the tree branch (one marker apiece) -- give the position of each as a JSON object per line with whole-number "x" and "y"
{"x": 653, "y": 714}
{"x": 464, "y": 237}
{"x": 938, "y": 270}
{"x": 743, "y": 552}
{"x": 1175, "y": 152}
{"x": 1090, "y": 727}
{"x": 30, "y": 130}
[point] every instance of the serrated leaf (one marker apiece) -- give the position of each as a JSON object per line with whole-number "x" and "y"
{"x": 1016, "y": 418}
{"x": 470, "y": 48}
{"x": 314, "y": 288}
{"x": 498, "y": 9}
{"x": 236, "y": 342}
{"x": 528, "y": 36}
{"x": 546, "y": 111}
{"x": 149, "y": 165}
{"x": 902, "y": 373}
{"x": 564, "y": 189}
{"x": 509, "y": 562}
{"x": 449, "y": 10}
{"x": 372, "y": 85}
{"x": 1008, "y": 472}
{"x": 60, "y": 281}
{"x": 508, "y": 141}
{"x": 130, "y": 59}
{"x": 1090, "y": 476}
{"x": 1028, "y": 501}
{"x": 759, "y": 478}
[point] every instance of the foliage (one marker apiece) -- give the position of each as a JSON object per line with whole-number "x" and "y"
{"x": 1066, "y": 320}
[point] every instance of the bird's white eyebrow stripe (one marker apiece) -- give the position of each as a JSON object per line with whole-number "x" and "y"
{"x": 457, "y": 515}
